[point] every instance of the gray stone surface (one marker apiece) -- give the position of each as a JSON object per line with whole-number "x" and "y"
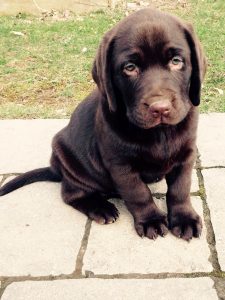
{"x": 116, "y": 249}
{"x": 211, "y": 141}
{"x": 215, "y": 189}
{"x": 158, "y": 187}
{"x": 26, "y": 144}
{"x": 94, "y": 289}
{"x": 40, "y": 235}
{"x": 161, "y": 186}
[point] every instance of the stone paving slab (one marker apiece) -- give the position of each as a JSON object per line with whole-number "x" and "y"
{"x": 26, "y": 144}
{"x": 158, "y": 187}
{"x": 117, "y": 249}
{"x": 215, "y": 190}
{"x": 211, "y": 141}
{"x": 95, "y": 289}
{"x": 40, "y": 235}
{"x": 22, "y": 153}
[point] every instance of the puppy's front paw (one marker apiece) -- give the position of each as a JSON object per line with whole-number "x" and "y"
{"x": 185, "y": 223}
{"x": 105, "y": 213}
{"x": 154, "y": 225}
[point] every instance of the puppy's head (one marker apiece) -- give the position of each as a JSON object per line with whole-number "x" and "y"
{"x": 151, "y": 67}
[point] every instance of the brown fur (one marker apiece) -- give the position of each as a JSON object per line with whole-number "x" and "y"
{"x": 137, "y": 127}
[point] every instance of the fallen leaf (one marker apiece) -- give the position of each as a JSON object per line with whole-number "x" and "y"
{"x": 84, "y": 50}
{"x": 220, "y": 91}
{"x": 18, "y": 33}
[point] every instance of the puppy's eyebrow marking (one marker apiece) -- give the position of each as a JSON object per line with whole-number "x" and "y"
{"x": 174, "y": 50}
{"x": 131, "y": 54}
{"x": 135, "y": 54}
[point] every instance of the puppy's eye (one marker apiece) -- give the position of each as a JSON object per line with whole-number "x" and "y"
{"x": 176, "y": 63}
{"x": 176, "y": 60}
{"x": 131, "y": 69}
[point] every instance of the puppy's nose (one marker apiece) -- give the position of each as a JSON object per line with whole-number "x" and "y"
{"x": 160, "y": 108}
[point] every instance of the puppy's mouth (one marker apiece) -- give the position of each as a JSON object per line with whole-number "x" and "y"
{"x": 159, "y": 122}
{"x": 145, "y": 122}
{"x": 162, "y": 122}
{"x": 162, "y": 125}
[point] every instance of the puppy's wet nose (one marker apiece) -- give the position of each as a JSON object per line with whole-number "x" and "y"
{"x": 160, "y": 108}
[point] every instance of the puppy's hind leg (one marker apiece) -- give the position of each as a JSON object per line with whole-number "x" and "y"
{"x": 94, "y": 205}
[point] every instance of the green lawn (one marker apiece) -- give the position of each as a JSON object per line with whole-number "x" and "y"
{"x": 46, "y": 72}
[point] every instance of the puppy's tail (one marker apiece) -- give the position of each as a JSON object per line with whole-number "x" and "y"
{"x": 42, "y": 174}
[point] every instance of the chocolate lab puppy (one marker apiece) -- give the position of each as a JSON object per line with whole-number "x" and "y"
{"x": 138, "y": 126}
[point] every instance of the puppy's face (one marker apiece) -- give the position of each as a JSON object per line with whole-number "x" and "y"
{"x": 153, "y": 70}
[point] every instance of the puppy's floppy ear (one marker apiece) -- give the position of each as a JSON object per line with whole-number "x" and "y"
{"x": 198, "y": 62}
{"x": 101, "y": 71}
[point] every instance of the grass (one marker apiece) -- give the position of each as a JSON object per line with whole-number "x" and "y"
{"x": 207, "y": 16}
{"x": 46, "y": 72}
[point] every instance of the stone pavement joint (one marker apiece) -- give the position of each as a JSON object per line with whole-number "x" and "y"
{"x": 219, "y": 285}
{"x": 10, "y": 174}
{"x": 215, "y": 167}
{"x": 206, "y": 212}
{"x": 83, "y": 247}
{"x": 219, "y": 282}
{"x": 4, "y": 177}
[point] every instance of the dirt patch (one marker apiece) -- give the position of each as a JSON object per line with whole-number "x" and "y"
{"x": 168, "y": 5}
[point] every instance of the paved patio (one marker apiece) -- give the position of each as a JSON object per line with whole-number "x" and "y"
{"x": 48, "y": 251}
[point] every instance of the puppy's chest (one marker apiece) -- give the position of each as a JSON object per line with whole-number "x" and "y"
{"x": 159, "y": 159}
